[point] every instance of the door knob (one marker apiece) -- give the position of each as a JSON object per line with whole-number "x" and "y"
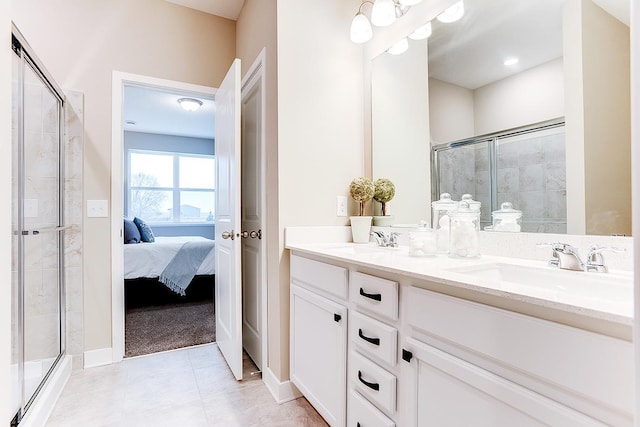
{"x": 252, "y": 234}
{"x": 228, "y": 235}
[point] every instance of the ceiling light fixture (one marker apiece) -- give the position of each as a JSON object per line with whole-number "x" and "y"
{"x": 190, "y": 104}
{"x": 452, "y": 13}
{"x": 361, "y": 31}
{"x": 399, "y": 47}
{"x": 421, "y": 33}
{"x": 383, "y": 13}
{"x": 511, "y": 61}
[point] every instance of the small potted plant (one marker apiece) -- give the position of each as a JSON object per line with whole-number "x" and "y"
{"x": 361, "y": 190}
{"x": 383, "y": 193}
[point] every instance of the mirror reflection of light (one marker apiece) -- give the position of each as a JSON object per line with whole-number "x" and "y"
{"x": 399, "y": 47}
{"x": 383, "y": 13}
{"x": 421, "y": 33}
{"x": 452, "y": 13}
{"x": 510, "y": 61}
{"x": 361, "y": 30}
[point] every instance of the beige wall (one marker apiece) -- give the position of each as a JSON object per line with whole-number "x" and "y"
{"x": 256, "y": 29}
{"x": 531, "y": 96}
{"x": 5, "y": 212}
{"x": 81, "y": 43}
{"x": 320, "y": 121}
{"x": 598, "y": 120}
{"x": 450, "y": 111}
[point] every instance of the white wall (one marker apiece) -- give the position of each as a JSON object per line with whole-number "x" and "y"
{"x": 5, "y": 212}
{"x": 148, "y": 37}
{"x": 531, "y": 96}
{"x": 400, "y": 117}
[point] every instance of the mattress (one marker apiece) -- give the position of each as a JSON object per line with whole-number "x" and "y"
{"x": 150, "y": 259}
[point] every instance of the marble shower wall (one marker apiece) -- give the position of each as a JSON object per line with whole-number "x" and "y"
{"x": 531, "y": 174}
{"x": 73, "y": 214}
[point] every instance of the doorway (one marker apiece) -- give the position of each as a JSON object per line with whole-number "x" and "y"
{"x": 256, "y": 315}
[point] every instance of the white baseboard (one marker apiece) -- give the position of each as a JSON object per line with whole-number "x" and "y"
{"x": 281, "y": 391}
{"x": 39, "y": 411}
{"x": 100, "y": 357}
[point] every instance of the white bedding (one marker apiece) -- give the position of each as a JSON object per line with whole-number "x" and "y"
{"x": 150, "y": 259}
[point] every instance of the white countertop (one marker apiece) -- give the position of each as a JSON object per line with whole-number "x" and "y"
{"x": 612, "y": 302}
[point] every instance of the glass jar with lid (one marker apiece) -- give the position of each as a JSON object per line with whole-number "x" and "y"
{"x": 440, "y": 220}
{"x": 507, "y": 218}
{"x": 422, "y": 241}
{"x": 465, "y": 232}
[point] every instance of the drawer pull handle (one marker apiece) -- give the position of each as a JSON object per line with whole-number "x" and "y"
{"x": 376, "y": 297}
{"x": 374, "y": 341}
{"x": 372, "y": 386}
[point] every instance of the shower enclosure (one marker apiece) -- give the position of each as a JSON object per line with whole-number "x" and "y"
{"x": 38, "y": 321}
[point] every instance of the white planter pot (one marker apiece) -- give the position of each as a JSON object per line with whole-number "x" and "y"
{"x": 360, "y": 228}
{"x": 383, "y": 221}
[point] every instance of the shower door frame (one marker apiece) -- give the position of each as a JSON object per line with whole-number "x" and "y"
{"x": 27, "y": 58}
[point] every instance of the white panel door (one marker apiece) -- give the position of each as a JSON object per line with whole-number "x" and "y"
{"x": 252, "y": 242}
{"x": 228, "y": 289}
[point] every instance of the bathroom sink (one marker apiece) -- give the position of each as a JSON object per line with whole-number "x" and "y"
{"x": 548, "y": 281}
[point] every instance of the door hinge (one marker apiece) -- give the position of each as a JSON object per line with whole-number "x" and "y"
{"x": 337, "y": 317}
{"x": 407, "y": 355}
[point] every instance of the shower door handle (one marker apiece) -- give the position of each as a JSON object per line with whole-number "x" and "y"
{"x": 44, "y": 230}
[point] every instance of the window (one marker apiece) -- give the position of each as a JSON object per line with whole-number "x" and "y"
{"x": 170, "y": 187}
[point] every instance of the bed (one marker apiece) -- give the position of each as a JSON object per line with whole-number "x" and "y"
{"x": 149, "y": 260}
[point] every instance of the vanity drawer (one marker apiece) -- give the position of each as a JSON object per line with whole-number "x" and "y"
{"x": 373, "y": 382}
{"x": 362, "y": 413}
{"x": 374, "y": 294}
{"x": 374, "y": 337}
{"x": 325, "y": 277}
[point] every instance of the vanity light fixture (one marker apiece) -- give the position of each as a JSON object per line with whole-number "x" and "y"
{"x": 399, "y": 47}
{"x": 452, "y": 13}
{"x": 190, "y": 104}
{"x": 422, "y": 32}
{"x": 361, "y": 31}
{"x": 511, "y": 61}
{"x": 383, "y": 13}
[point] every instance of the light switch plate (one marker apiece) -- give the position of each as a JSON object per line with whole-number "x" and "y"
{"x": 97, "y": 208}
{"x": 341, "y": 206}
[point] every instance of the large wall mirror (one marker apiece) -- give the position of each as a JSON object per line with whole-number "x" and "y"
{"x": 518, "y": 100}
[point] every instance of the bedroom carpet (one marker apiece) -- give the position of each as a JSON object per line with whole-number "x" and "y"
{"x": 159, "y": 328}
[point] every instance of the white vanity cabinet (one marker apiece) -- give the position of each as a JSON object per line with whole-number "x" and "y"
{"x": 319, "y": 336}
{"x": 472, "y": 364}
{"x": 415, "y": 357}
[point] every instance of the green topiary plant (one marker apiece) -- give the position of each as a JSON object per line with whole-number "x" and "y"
{"x": 384, "y": 192}
{"x": 361, "y": 189}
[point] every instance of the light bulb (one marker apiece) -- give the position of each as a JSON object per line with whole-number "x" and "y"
{"x": 383, "y": 13}
{"x": 399, "y": 47}
{"x": 409, "y": 2}
{"x": 452, "y": 13}
{"x": 361, "y": 30}
{"x": 190, "y": 104}
{"x": 421, "y": 33}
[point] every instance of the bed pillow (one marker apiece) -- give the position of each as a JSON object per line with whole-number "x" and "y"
{"x": 131, "y": 232}
{"x": 146, "y": 234}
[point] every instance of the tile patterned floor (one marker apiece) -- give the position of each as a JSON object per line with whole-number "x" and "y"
{"x": 188, "y": 388}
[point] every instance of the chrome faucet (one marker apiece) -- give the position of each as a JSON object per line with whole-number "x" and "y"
{"x": 390, "y": 241}
{"x": 567, "y": 257}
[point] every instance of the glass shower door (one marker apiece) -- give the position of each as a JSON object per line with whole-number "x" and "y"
{"x": 38, "y": 317}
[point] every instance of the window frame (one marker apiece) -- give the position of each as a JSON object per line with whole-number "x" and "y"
{"x": 175, "y": 189}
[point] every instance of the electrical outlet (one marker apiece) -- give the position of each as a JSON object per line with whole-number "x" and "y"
{"x": 97, "y": 208}
{"x": 341, "y": 206}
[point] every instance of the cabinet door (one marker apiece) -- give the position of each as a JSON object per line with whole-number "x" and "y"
{"x": 452, "y": 392}
{"x": 318, "y": 352}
